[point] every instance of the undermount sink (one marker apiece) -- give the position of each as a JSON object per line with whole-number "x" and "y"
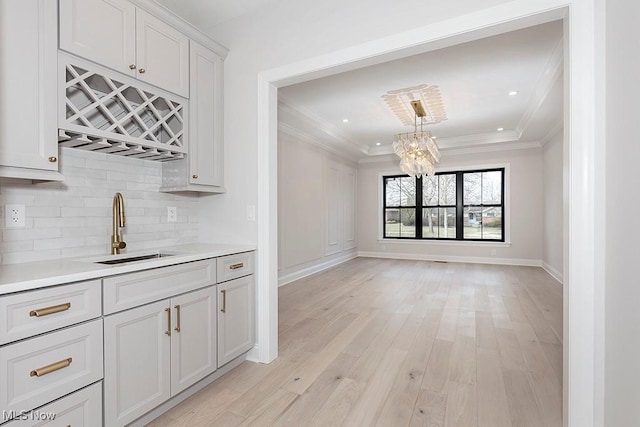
{"x": 122, "y": 259}
{"x": 133, "y": 258}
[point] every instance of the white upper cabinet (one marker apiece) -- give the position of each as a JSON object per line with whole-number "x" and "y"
{"x": 162, "y": 54}
{"x": 206, "y": 118}
{"x": 116, "y": 34}
{"x": 203, "y": 170}
{"x": 28, "y": 100}
{"x": 102, "y": 31}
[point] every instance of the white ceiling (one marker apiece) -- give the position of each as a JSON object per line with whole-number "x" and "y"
{"x": 474, "y": 79}
{"x": 205, "y": 14}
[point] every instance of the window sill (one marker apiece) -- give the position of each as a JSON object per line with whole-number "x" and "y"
{"x": 444, "y": 242}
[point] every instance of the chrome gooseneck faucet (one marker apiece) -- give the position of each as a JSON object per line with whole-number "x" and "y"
{"x": 118, "y": 221}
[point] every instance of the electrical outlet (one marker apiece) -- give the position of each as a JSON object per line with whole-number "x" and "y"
{"x": 172, "y": 214}
{"x": 14, "y": 216}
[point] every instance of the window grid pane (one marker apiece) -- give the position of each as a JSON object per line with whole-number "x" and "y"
{"x": 480, "y": 204}
{"x": 447, "y": 187}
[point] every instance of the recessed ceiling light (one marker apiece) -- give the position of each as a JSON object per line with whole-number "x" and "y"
{"x": 345, "y": 120}
{"x": 500, "y": 129}
{"x": 378, "y": 143}
{"x": 513, "y": 93}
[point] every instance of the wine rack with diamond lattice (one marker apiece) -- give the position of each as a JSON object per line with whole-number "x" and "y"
{"x": 112, "y": 113}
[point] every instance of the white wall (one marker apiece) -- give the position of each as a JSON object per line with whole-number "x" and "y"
{"x": 523, "y": 205}
{"x": 553, "y": 236}
{"x": 316, "y": 209}
{"x": 282, "y": 33}
{"x": 622, "y": 268}
{"x": 73, "y": 218}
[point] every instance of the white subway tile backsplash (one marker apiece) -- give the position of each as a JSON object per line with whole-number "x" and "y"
{"x": 18, "y": 234}
{"x": 63, "y": 242}
{"x": 29, "y": 256}
{"x": 85, "y": 212}
{"x": 18, "y": 246}
{"x": 42, "y": 211}
{"x": 73, "y": 218}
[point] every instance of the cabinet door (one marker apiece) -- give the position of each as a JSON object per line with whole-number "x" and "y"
{"x": 102, "y": 31}
{"x": 137, "y": 362}
{"x": 28, "y": 103}
{"x": 235, "y": 318}
{"x": 193, "y": 340}
{"x": 205, "y": 117}
{"x": 162, "y": 54}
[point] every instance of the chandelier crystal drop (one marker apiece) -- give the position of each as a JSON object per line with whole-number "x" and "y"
{"x": 418, "y": 150}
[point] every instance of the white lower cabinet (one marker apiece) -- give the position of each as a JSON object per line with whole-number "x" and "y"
{"x": 236, "y": 318}
{"x": 39, "y": 370}
{"x": 80, "y": 409}
{"x": 193, "y": 340}
{"x": 137, "y": 364}
{"x": 155, "y": 351}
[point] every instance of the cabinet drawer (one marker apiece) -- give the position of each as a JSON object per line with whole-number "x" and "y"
{"x": 234, "y": 266}
{"x": 42, "y": 369}
{"x": 132, "y": 290}
{"x": 35, "y": 312}
{"x": 80, "y": 409}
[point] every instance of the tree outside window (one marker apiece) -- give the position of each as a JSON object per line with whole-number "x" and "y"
{"x": 464, "y": 205}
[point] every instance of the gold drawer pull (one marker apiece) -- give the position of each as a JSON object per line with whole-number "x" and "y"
{"x": 51, "y": 368}
{"x": 237, "y": 266}
{"x": 50, "y": 310}
{"x": 177, "y": 307}
{"x": 168, "y": 331}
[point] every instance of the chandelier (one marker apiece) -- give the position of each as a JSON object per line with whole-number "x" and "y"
{"x": 417, "y": 150}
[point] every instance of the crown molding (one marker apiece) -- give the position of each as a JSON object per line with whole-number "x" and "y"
{"x": 491, "y": 148}
{"x": 478, "y": 139}
{"x": 309, "y": 139}
{"x": 552, "y": 132}
{"x": 378, "y": 159}
{"x": 552, "y": 72}
{"x": 309, "y": 123}
{"x": 185, "y": 27}
{"x": 494, "y": 148}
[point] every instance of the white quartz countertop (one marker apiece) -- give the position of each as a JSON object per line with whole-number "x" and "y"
{"x": 33, "y": 275}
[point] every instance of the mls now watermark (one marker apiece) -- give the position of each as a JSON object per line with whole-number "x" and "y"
{"x": 28, "y": 416}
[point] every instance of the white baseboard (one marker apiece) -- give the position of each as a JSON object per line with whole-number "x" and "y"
{"x": 449, "y": 258}
{"x": 553, "y": 272}
{"x": 316, "y": 268}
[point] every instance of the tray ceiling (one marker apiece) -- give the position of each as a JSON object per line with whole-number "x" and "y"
{"x": 474, "y": 80}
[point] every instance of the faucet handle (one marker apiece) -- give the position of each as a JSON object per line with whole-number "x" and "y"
{"x": 119, "y": 245}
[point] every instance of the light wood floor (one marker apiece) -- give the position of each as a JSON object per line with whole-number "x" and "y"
{"x": 401, "y": 343}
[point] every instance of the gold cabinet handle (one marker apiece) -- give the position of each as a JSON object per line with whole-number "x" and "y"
{"x": 51, "y": 368}
{"x": 132, "y": 66}
{"x": 50, "y": 310}
{"x": 53, "y": 159}
{"x": 224, "y": 301}
{"x": 142, "y": 71}
{"x": 168, "y": 331}
{"x": 237, "y": 266}
{"x": 177, "y": 307}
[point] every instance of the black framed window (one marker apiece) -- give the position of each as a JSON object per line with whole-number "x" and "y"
{"x": 462, "y": 205}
